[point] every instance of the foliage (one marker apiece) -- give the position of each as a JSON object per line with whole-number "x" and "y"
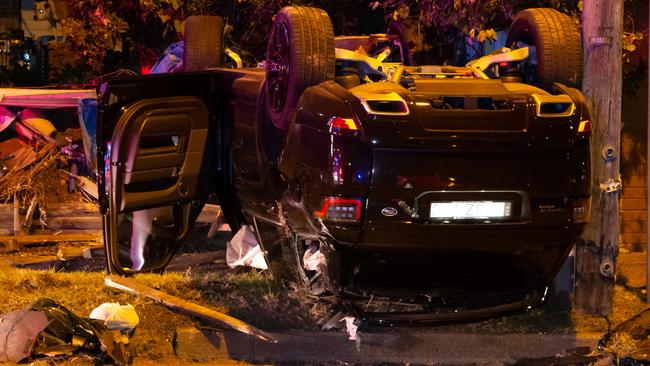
{"x": 463, "y": 23}
{"x": 104, "y": 35}
{"x": 94, "y": 36}
{"x": 635, "y": 64}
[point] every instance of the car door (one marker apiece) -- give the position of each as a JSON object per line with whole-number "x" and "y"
{"x": 160, "y": 156}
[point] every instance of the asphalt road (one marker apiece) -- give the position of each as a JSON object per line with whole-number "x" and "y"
{"x": 404, "y": 346}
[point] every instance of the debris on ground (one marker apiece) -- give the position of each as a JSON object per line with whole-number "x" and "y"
{"x": 186, "y": 307}
{"x": 36, "y": 177}
{"x": 352, "y": 327}
{"x": 116, "y": 316}
{"x": 629, "y": 340}
{"x": 244, "y": 250}
{"x": 18, "y": 332}
{"x": 47, "y": 328}
{"x": 42, "y": 161}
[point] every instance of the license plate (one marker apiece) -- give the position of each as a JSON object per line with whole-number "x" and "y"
{"x": 459, "y": 210}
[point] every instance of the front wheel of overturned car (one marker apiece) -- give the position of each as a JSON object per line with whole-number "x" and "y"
{"x": 300, "y": 53}
{"x": 555, "y": 36}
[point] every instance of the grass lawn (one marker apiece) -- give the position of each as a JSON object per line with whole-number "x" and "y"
{"x": 253, "y": 297}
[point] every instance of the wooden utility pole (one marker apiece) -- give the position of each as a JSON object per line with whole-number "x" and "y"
{"x": 647, "y": 161}
{"x": 602, "y": 27}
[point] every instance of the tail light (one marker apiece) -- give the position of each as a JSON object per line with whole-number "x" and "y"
{"x": 343, "y": 126}
{"x": 581, "y": 210}
{"x": 339, "y": 209}
{"x": 584, "y": 127}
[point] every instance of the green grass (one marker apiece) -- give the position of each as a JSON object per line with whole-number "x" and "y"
{"x": 81, "y": 292}
{"x": 250, "y": 296}
{"x": 253, "y": 297}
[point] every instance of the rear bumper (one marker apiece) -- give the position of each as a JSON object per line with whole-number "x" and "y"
{"x": 494, "y": 237}
{"x": 454, "y": 272}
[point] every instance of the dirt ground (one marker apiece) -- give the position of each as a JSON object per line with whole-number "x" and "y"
{"x": 59, "y": 271}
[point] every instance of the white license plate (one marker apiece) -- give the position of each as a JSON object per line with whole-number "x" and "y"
{"x": 459, "y": 210}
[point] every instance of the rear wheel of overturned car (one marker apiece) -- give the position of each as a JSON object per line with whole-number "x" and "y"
{"x": 300, "y": 53}
{"x": 203, "y": 42}
{"x": 557, "y": 45}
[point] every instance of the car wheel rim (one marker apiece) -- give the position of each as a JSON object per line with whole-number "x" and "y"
{"x": 278, "y": 67}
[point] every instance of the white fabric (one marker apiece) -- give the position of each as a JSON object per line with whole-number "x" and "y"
{"x": 244, "y": 250}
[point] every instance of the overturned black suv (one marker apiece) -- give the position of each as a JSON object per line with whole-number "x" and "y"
{"x": 440, "y": 192}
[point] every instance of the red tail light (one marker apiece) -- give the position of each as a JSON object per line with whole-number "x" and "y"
{"x": 338, "y": 209}
{"x": 584, "y": 126}
{"x": 339, "y": 124}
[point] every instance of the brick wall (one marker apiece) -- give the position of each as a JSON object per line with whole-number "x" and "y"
{"x": 634, "y": 169}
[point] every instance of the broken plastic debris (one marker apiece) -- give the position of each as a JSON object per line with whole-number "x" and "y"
{"x": 313, "y": 259}
{"x": 116, "y": 316}
{"x": 244, "y": 250}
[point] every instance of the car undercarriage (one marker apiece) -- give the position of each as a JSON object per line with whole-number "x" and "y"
{"x": 427, "y": 193}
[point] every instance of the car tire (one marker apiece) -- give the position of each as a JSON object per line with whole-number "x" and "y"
{"x": 556, "y": 38}
{"x": 300, "y": 53}
{"x": 203, "y": 42}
